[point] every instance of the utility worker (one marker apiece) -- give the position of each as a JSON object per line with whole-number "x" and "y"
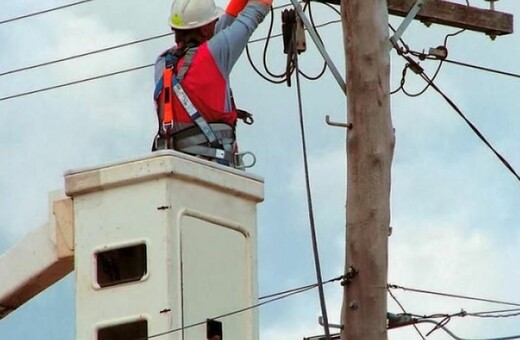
{"x": 193, "y": 98}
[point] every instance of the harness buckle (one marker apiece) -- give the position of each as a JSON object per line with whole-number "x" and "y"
{"x": 160, "y": 143}
{"x": 239, "y": 160}
{"x": 167, "y": 127}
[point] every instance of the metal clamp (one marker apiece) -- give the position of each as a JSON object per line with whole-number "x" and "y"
{"x": 349, "y": 276}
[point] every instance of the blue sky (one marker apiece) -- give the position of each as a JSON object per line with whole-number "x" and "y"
{"x": 455, "y": 209}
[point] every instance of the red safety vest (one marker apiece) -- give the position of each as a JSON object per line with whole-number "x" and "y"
{"x": 206, "y": 88}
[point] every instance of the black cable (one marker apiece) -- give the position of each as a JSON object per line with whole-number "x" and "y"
{"x": 403, "y": 80}
{"x": 437, "y": 71}
{"x": 43, "y": 12}
{"x": 278, "y": 296}
{"x": 313, "y": 285}
{"x": 324, "y": 67}
{"x": 23, "y": 94}
{"x": 257, "y": 71}
{"x": 266, "y": 47}
{"x": 482, "y": 68}
{"x": 309, "y": 194}
{"x": 85, "y": 54}
{"x": 471, "y": 125}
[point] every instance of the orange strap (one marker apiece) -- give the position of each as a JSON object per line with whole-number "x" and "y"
{"x": 235, "y": 7}
{"x": 167, "y": 96}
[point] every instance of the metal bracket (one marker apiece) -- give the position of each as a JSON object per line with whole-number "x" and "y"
{"x": 492, "y": 4}
{"x": 319, "y": 45}
{"x": 331, "y": 123}
{"x": 406, "y": 22}
{"x": 331, "y": 325}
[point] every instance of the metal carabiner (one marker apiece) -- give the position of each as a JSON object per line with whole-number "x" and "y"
{"x": 239, "y": 160}
{"x": 245, "y": 116}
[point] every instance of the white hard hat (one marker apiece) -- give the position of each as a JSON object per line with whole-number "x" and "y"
{"x": 188, "y": 14}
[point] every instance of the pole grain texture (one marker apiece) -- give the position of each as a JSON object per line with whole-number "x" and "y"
{"x": 370, "y": 145}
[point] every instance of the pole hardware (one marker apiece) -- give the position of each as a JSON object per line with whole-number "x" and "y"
{"x": 400, "y": 320}
{"x": 337, "y": 124}
{"x": 406, "y": 22}
{"x": 319, "y": 45}
{"x": 492, "y": 4}
{"x": 351, "y": 274}
{"x": 492, "y": 8}
{"x": 331, "y": 325}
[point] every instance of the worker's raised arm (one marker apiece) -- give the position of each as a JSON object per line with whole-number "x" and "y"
{"x": 229, "y": 43}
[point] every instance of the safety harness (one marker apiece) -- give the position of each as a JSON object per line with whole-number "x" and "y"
{"x": 210, "y": 140}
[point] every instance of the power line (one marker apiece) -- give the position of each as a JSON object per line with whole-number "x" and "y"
{"x": 85, "y": 54}
{"x": 450, "y": 333}
{"x": 465, "y": 297}
{"x": 404, "y": 311}
{"x": 23, "y": 94}
{"x": 43, "y": 12}
{"x": 497, "y": 314}
{"x": 26, "y": 68}
{"x": 277, "y": 296}
{"x": 414, "y": 66}
{"x": 472, "y": 126}
{"x": 482, "y": 68}
{"x": 45, "y": 89}
{"x": 294, "y": 54}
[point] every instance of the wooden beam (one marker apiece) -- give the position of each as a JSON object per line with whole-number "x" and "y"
{"x": 456, "y": 15}
{"x": 451, "y": 14}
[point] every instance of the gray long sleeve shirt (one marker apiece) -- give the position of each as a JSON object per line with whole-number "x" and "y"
{"x": 228, "y": 43}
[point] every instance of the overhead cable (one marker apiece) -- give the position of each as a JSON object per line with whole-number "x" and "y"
{"x": 23, "y": 94}
{"x": 482, "y": 68}
{"x": 44, "y": 11}
{"x": 422, "y": 291}
{"x": 293, "y": 52}
{"x": 472, "y": 126}
{"x": 277, "y": 296}
{"x": 26, "y": 68}
{"x": 404, "y": 311}
{"x": 450, "y": 333}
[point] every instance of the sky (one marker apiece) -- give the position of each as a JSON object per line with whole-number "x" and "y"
{"x": 454, "y": 206}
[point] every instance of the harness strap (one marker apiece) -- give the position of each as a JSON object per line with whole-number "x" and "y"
{"x": 188, "y": 59}
{"x": 167, "y": 121}
{"x": 195, "y": 115}
{"x": 210, "y": 152}
{"x": 224, "y": 133}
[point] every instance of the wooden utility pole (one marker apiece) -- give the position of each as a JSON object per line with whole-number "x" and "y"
{"x": 370, "y": 145}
